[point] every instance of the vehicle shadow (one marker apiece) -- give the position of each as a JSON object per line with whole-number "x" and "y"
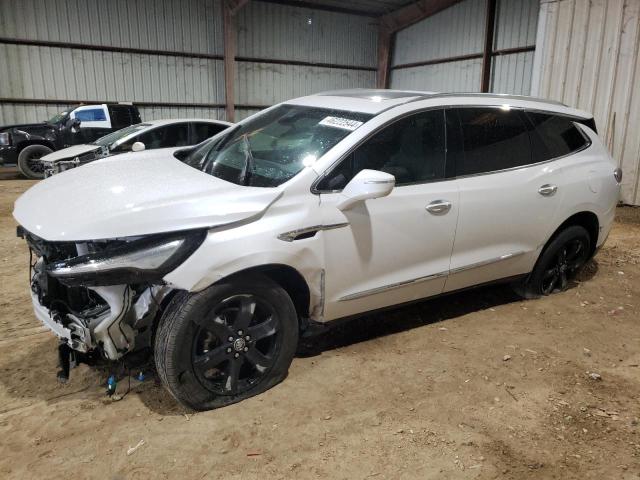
{"x": 343, "y": 333}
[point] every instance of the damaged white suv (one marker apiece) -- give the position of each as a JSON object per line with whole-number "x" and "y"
{"x": 216, "y": 258}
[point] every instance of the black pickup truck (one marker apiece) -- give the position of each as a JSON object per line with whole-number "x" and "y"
{"x": 25, "y": 144}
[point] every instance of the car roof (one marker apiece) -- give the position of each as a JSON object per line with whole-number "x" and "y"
{"x": 375, "y": 101}
{"x": 169, "y": 121}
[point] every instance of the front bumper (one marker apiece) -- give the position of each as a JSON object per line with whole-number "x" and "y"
{"x": 75, "y": 336}
{"x": 8, "y": 154}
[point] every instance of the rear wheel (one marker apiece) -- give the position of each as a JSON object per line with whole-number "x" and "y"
{"x": 558, "y": 264}
{"x": 229, "y": 342}
{"x": 29, "y": 162}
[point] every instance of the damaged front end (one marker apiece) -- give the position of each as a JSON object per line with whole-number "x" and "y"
{"x": 101, "y": 298}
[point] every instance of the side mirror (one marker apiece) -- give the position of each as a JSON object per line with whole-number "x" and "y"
{"x": 75, "y": 125}
{"x": 367, "y": 184}
{"x": 137, "y": 147}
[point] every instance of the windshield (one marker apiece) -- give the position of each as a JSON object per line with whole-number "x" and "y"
{"x": 272, "y": 147}
{"x": 113, "y": 137}
{"x": 59, "y": 117}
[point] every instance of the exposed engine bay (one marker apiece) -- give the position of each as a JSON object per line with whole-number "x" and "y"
{"x": 93, "y": 318}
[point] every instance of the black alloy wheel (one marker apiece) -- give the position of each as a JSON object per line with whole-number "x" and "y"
{"x": 226, "y": 343}
{"x": 236, "y": 344}
{"x": 566, "y": 253}
{"x": 564, "y": 266}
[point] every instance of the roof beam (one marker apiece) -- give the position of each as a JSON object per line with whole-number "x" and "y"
{"x": 229, "y": 10}
{"x": 406, "y": 16}
{"x": 384, "y": 57}
{"x": 490, "y": 22}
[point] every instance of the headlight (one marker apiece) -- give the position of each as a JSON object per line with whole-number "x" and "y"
{"x": 5, "y": 138}
{"x": 140, "y": 261}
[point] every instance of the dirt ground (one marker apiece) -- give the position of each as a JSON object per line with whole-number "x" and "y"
{"x": 476, "y": 385}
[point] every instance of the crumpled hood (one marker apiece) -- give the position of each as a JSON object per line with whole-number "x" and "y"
{"x": 70, "y": 152}
{"x": 135, "y": 194}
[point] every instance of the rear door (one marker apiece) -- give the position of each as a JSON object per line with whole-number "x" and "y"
{"x": 509, "y": 198}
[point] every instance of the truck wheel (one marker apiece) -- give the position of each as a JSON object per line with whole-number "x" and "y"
{"x": 29, "y": 162}
{"x": 232, "y": 341}
{"x": 559, "y": 262}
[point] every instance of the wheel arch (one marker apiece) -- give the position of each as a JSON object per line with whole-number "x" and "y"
{"x": 27, "y": 143}
{"x": 290, "y": 279}
{"x": 586, "y": 219}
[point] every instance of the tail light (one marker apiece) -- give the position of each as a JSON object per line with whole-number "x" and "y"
{"x": 617, "y": 174}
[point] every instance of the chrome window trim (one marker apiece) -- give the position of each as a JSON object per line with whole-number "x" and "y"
{"x": 575, "y": 120}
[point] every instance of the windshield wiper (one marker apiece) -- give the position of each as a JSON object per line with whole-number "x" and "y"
{"x": 226, "y": 138}
{"x": 247, "y": 172}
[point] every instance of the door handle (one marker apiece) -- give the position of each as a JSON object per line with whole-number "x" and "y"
{"x": 547, "y": 190}
{"x": 439, "y": 207}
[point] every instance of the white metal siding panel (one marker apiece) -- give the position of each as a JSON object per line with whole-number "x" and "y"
{"x": 512, "y": 73}
{"x": 159, "y": 113}
{"x": 588, "y": 57}
{"x": 242, "y": 113}
{"x": 458, "y": 30}
{"x": 462, "y": 76}
{"x": 265, "y": 84}
{"x": 269, "y": 30}
{"x": 193, "y": 26}
{"x": 74, "y": 74}
{"x": 516, "y": 23}
{"x": 26, "y": 113}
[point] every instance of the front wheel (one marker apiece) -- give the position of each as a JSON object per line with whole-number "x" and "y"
{"x": 229, "y": 342}
{"x": 560, "y": 261}
{"x": 29, "y": 162}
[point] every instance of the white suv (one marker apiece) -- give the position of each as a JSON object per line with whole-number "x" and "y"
{"x": 218, "y": 257}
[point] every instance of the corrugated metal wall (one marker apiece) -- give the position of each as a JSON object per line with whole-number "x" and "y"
{"x": 58, "y": 73}
{"x": 279, "y": 32}
{"x": 588, "y": 57}
{"x": 55, "y": 76}
{"x": 456, "y": 31}
{"x": 516, "y": 24}
{"x": 459, "y": 31}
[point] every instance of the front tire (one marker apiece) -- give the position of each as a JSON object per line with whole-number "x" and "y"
{"x": 231, "y": 341}
{"x": 29, "y": 162}
{"x": 559, "y": 262}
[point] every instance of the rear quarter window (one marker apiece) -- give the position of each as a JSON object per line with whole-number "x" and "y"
{"x": 554, "y": 136}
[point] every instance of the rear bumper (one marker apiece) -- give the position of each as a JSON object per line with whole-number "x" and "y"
{"x": 8, "y": 154}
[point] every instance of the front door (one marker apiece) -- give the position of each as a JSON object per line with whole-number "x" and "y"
{"x": 393, "y": 249}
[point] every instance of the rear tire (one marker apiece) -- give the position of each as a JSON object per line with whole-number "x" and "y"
{"x": 29, "y": 162}
{"x": 559, "y": 262}
{"x": 232, "y": 341}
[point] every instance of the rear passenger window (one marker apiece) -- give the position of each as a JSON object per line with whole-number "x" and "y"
{"x": 554, "y": 136}
{"x": 411, "y": 149}
{"x": 202, "y": 131}
{"x": 493, "y": 139}
{"x": 164, "y": 137}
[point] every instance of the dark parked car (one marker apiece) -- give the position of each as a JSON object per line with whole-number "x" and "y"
{"x": 25, "y": 144}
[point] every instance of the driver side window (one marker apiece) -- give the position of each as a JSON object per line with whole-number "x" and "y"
{"x": 411, "y": 149}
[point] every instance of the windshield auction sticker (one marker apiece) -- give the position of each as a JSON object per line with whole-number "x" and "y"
{"x": 338, "y": 122}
